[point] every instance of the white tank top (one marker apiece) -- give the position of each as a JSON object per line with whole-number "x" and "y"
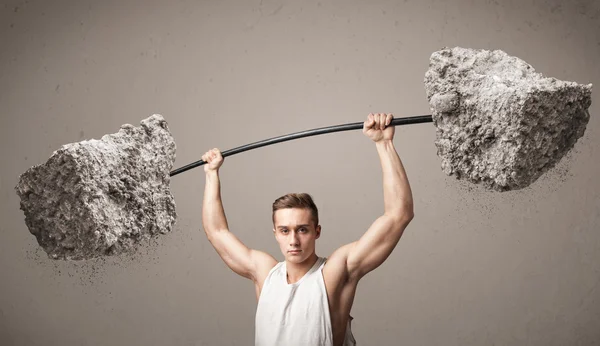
{"x": 295, "y": 314}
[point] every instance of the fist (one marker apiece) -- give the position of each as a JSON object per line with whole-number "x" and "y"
{"x": 376, "y": 127}
{"x": 213, "y": 159}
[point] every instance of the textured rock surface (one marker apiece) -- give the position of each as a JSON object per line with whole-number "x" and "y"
{"x": 102, "y": 197}
{"x": 498, "y": 121}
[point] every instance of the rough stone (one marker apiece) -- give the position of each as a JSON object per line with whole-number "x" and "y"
{"x": 102, "y": 197}
{"x": 498, "y": 122}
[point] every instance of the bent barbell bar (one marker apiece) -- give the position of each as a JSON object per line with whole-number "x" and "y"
{"x": 320, "y": 131}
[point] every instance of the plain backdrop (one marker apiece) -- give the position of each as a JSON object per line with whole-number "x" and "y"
{"x": 474, "y": 267}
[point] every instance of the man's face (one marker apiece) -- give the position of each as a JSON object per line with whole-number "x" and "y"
{"x": 295, "y": 230}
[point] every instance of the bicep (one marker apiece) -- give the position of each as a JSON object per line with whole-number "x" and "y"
{"x": 375, "y": 246}
{"x": 237, "y": 256}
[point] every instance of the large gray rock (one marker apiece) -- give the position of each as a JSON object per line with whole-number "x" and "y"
{"x": 102, "y": 197}
{"x": 498, "y": 121}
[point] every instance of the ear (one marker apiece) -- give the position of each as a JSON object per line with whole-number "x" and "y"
{"x": 318, "y": 230}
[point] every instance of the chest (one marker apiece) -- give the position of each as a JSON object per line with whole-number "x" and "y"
{"x": 283, "y": 302}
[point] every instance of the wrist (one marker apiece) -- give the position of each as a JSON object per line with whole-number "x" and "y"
{"x": 384, "y": 143}
{"x": 213, "y": 173}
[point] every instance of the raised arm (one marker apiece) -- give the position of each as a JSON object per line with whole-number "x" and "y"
{"x": 246, "y": 262}
{"x": 374, "y": 247}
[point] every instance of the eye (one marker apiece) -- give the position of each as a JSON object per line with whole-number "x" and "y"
{"x": 303, "y": 230}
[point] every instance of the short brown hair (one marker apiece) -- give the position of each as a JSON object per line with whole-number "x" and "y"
{"x": 297, "y": 200}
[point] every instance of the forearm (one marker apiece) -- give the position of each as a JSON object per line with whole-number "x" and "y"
{"x": 397, "y": 195}
{"x": 213, "y": 215}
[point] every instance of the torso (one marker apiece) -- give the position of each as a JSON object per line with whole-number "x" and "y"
{"x": 340, "y": 293}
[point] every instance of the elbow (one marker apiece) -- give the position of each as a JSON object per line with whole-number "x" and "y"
{"x": 407, "y": 215}
{"x": 205, "y": 228}
{"x": 404, "y": 215}
{"x": 410, "y": 210}
{"x": 211, "y": 232}
{"x": 211, "y": 236}
{"x": 410, "y": 213}
{"x": 208, "y": 233}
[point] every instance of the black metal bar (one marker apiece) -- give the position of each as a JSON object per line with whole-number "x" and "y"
{"x": 323, "y": 130}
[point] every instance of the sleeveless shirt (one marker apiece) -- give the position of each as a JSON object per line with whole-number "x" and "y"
{"x": 296, "y": 314}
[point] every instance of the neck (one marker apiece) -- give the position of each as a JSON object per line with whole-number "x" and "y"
{"x": 295, "y": 271}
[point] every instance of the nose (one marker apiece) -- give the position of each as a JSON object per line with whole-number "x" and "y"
{"x": 293, "y": 239}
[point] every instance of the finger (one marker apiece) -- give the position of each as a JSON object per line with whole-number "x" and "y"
{"x": 388, "y": 119}
{"x": 370, "y": 121}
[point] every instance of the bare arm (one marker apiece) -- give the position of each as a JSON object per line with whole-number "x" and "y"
{"x": 374, "y": 247}
{"x": 238, "y": 257}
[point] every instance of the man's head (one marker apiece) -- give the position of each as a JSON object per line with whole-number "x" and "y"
{"x": 296, "y": 225}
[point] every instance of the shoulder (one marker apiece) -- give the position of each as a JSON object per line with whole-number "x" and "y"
{"x": 263, "y": 265}
{"x": 335, "y": 269}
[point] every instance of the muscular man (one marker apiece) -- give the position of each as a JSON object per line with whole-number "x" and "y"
{"x": 306, "y": 300}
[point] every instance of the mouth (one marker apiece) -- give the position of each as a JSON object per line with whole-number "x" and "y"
{"x": 294, "y": 251}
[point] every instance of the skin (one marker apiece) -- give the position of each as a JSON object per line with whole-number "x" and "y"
{"x": 294, "y": 229}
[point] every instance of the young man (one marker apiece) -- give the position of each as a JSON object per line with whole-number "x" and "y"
{"x": 306, "y": 300}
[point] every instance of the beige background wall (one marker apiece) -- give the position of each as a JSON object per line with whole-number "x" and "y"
{"x": 473, "y": 268}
